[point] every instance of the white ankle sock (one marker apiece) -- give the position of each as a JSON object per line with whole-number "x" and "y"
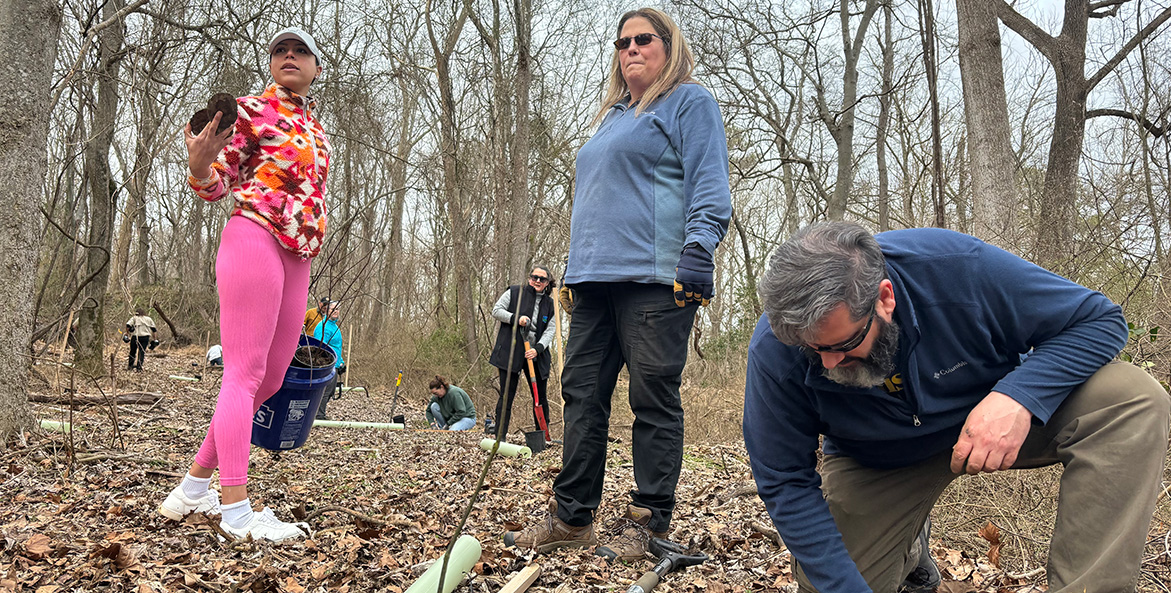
{"x": 193, "y": 487}
{"x": 237, "y": 514}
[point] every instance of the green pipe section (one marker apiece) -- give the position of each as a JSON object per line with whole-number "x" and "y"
{"x": 182, "y": 378}
{"x": 344, "y": 424}
{"x": 507, "y": 449}
{"x": 54, "y": 426}
{"x": 464, "y": 555}
{"x": 348, "y": 389}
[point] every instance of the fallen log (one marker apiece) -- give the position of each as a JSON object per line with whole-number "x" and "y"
{"x": 138, "y": 399}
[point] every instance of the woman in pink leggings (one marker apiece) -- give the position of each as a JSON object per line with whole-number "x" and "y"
{"x": 273, "y": 161}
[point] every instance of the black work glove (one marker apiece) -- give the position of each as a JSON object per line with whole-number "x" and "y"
{"x": 126, "y": 338}
{"x": 341, "y": 370}
{"x": 694, "y": 280}
{"x": 565, "y": 297}
{"x": 154, "y": 344}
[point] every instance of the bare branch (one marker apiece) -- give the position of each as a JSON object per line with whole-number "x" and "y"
{"x": 1138, "y": 38}
{"x": 1151, "y": 127}
{"x": 85, "y": 45}
{"x": 1044, "y": 42}
{"x": 1104, "y": 9}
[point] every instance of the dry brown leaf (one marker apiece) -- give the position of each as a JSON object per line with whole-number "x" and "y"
{"x": 38, "y": 546}
{"x": 991, "y": 533}
{"x": 292, "y": 586}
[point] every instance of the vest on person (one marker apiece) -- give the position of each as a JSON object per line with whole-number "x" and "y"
{"x": 522, "y": 300}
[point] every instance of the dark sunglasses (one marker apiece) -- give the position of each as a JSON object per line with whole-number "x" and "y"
{"x": 536, "y": 278}
{"x": 641, "y": 39}
{"x": 850, "y": 344}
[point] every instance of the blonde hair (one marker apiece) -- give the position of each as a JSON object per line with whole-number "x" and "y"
{"x": 676, "y": 71}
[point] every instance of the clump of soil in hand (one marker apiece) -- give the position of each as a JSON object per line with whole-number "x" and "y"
{"x": 313, "y": 357}
{"x": 219, "y": 102}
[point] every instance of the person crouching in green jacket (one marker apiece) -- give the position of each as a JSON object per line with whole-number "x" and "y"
{"x": 450, "y": 406}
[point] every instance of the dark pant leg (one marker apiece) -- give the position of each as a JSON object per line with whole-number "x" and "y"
{"x": 142, "y": 342}
{"x": 592, "y": 361}
{"x": 654, "y": 332}
{"x": 504, "y": 399}
{"x": 133, "y": 352}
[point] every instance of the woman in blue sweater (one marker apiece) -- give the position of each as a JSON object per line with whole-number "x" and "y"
{"x": 651, "y": 204}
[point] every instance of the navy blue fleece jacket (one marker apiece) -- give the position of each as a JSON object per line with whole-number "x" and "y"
{"x": 968, "y": 314}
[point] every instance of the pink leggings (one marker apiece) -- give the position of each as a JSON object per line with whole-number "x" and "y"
{"x": 263, "y": 289}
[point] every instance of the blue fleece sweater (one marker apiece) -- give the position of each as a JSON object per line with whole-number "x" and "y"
{"x": 968, "y": 313}
{"x": 648, "y": 185}
{"x": 327, "y": 331}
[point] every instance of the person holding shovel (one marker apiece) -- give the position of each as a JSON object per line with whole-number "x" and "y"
{"x": 272, "y": 162}
{"x": 525, "y": 313}
{"x": 651, "y": 204}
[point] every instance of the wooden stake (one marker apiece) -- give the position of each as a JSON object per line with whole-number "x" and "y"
{"x": 560, "y": 353}
{"x": 522, "y": 580}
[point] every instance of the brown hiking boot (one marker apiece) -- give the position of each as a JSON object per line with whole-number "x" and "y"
{"x": 629, "y": 536}
{"x": 551, "y": 534}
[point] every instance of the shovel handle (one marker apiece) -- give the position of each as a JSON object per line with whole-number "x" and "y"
{"x": 645, "y": 584}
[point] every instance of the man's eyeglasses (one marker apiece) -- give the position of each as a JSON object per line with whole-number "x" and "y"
{"x": 850, "y": 344}
{"x": 641, "y": 39}
{"x": 536, "y": 278}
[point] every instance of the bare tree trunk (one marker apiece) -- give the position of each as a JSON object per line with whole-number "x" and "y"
{"x": 521, "y": 202}
{"x": 841, "y": 124}
{"x": 888, "y": 66}
{"x": 1067, "y": 54}
{"x": 994, "y": 195}
{"x": 28, "y": 42}
{"x": 927, "y": 31}
{"x": 452, "y": 186}
{"x": 91, "y": 320}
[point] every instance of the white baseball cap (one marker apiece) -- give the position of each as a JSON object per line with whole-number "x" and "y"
{"x": 299, "y": 35}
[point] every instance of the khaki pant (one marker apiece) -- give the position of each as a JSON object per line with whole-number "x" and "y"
{"x": 1111, "y": 437}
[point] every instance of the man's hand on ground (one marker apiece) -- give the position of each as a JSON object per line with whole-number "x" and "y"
{"x": 992, "y": 436}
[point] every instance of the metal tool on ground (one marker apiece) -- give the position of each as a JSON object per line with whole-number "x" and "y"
{"x": 672, "y": 556}
{"x": 394, "y": 400}
{"x": 538, "y": 411}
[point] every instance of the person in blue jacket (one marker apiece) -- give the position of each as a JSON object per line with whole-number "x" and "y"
{"x": 651, "y": 204}
{"x": 328, "y": 331}
{"x": 922, "y": 354}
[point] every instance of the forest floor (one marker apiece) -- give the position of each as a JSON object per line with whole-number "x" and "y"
{"x": 78, "y": 512}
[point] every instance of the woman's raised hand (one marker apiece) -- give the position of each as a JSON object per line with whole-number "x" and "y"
{"x": 202, "y": 150}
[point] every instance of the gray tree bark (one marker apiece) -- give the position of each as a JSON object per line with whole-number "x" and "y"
{"x": 28, "y": 47}
{"x": 1067, "y": 53}
{"x": 91, "y": 318}
{"x": 993, "y": 170}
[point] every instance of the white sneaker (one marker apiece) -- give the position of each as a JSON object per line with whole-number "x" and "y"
{"x": 265, "y": 525}
{"x": 177, "y": 505}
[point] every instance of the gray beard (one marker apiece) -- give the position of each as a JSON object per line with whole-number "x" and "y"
{"x": 871, "y": 371}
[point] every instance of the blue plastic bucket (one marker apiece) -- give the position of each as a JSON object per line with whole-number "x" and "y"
{"x": 283, "y": 422}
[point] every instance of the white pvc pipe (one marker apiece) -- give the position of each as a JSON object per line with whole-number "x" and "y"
{"x": 54, "y": 426}
{"x": 507, "y": 449}
{"x": 464, "y": 555}
{"x": 345, "y": 424}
